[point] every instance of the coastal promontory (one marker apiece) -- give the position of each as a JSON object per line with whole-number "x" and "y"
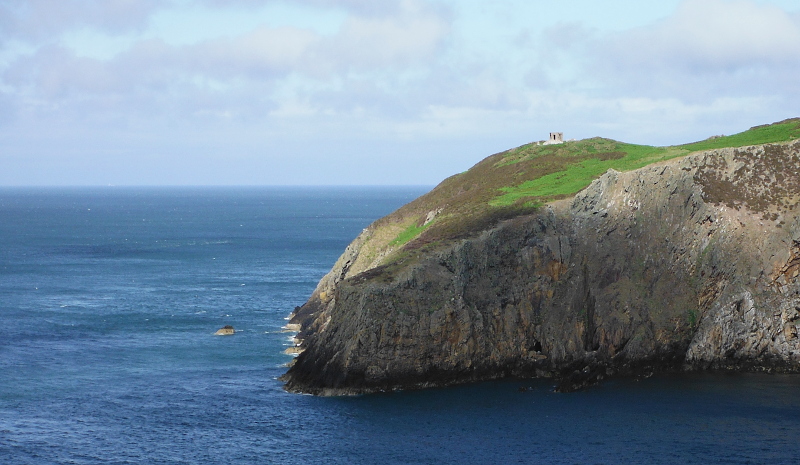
{"x": 576, "y": 261}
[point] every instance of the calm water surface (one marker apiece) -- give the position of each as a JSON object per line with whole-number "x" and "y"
{"x": 109, "y": 298}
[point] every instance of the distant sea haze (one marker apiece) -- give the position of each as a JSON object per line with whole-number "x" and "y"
{"x": 110, "y": 297}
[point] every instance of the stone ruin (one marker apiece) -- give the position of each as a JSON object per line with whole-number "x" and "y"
{"x": 555, "y": 138}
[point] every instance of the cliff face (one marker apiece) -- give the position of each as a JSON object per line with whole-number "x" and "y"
{"x": 691, "y": 263}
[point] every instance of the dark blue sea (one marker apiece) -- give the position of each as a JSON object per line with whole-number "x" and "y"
{"x": 109, "y": 298}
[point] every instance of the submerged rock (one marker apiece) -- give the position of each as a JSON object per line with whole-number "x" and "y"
{"x": 226, "y": 330}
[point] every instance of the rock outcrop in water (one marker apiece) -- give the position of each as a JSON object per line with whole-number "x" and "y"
{"x": 691, "y": 264}
{"x": 226, "y": 330}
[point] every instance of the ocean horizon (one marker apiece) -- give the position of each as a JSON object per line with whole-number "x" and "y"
{"x": 110, "y": 297}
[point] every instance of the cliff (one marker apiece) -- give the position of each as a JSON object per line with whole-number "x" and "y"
{"x": 690, "y": 262}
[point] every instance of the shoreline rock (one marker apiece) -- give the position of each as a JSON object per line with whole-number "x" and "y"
{"x": 294, "y": 350}
{"x": 291, "y": 328}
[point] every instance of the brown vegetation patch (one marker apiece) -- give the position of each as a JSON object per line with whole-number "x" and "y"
{"x": 463, "y": 200}
{"x": 767, "y": 180}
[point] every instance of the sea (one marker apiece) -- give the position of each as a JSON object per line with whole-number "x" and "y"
{"x": 110, "y": 297}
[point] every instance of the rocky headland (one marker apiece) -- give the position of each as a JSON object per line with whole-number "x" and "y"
{"x": 689, "y": 262}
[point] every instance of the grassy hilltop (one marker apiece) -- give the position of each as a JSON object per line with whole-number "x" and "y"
{"x": 520, "y": 180}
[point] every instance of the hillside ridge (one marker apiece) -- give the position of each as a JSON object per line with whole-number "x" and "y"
{"x": 518, "y": 181}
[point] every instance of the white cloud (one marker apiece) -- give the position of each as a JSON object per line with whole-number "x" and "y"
{"x": 359, "y": 6}
{"x": 706, "y": 50}
{"x": 381, "y": 73}
{"x": 41, "y": 19}
{"x": 712, "y": 35}
{"x": 399, "y": 40}
{"x": 362, "y": 69}
{"x": 265, "y": 52}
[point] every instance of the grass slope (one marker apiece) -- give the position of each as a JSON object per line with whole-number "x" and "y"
{"x": 518, "y": 181}
{"x": 590, "y": 164}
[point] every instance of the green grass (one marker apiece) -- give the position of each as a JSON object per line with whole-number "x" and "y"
{"x": 779, "y": 132}
{"x": 595, "y": 147}
{"x": 576, "y": 176}
{"x": 691, "y": 318}
{"x": 584, "y": 161}
{"x": 410, "y": 233}
{"x": 517, "y": 182}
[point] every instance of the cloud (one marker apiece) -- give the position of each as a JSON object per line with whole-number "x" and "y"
{"x": 713, "y": 35}
{"x": 366, "y": 63}
{"x": 400, "y": 40}
{"x": 8, "y": 109}
{"x": 263, "y": 53}
{"x": 707, "y": 49}
{"x": 42, "y": 19}
{"x": 55, "y": 72}
{"x": 363, "y": 44}
{"x": 359, "y": 7}
{"x": 383, "y": 72}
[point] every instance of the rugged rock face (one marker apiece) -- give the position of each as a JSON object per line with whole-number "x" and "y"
{"x": 688, "y": 264}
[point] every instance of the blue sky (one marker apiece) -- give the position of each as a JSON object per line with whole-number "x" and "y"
{"x": 312, "y": 92}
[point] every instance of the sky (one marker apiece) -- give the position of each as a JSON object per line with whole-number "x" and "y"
{"x": 366, "y": 92}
